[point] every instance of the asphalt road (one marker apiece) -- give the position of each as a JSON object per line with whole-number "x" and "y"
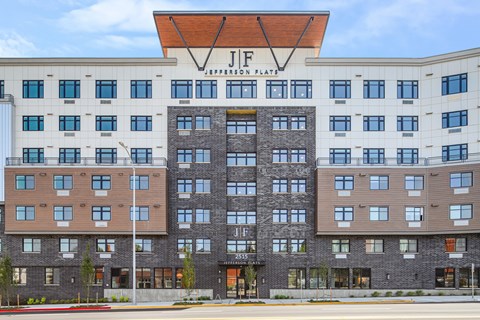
{"x": 451, "y": 311}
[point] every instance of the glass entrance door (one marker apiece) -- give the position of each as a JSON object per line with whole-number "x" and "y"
{"x": 237, "y": 288}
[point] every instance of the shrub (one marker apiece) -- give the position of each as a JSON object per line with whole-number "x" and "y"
{"x": 126, "y": 299}
{"x": 43, "y": 300}
{"x": 249, "y": 302}
{"x": 281, "y": 296}
{"x": 53, "y": 301}
{"x": 74, "y": 300}
{"x": 114, "y": 298}
{"x": 37, "y": 301}
{"x": 204, "y": 298}
{"x": 31, "y": 301}
{"x": 375, "y": 294}
{"x": 399, "y": 293}
{"x": 186, "y": 303}
{"x": 122, "y": 299}
{"x": 388, "y": 294}
{"x": 352, "y": 296}
{"x": 322, "y": 301}
{"x": 419, "y": 293}
{"x": 410, "y": 293}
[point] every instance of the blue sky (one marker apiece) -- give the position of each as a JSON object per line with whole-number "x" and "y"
{"x": 125, "y": 28}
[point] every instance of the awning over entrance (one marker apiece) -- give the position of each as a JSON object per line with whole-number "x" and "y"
{"x": 241, "y": 263}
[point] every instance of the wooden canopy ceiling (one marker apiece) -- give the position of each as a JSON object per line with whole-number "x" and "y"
{"x": 240, "y": 29}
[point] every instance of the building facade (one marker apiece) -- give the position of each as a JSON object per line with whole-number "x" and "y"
{"x": 248, "y": 148}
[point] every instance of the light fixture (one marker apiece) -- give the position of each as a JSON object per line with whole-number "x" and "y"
{"x": 219, "y": 280}
{"x": 263, "y": 280}
{"x": 72, "y": 279}
{"x": 388, "y": 276}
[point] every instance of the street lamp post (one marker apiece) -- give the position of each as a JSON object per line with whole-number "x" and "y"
{"x": 134, "y": 219}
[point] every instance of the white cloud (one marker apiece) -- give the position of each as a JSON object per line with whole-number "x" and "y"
{"x": 121, "y": 42}
{"x": 14, "y": 45}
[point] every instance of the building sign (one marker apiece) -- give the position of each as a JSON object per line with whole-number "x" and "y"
{"x": 239, "y": 65}
{"x": 241, "y": 263}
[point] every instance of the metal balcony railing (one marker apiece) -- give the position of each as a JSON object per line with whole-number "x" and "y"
{"x": 90, "y": 161}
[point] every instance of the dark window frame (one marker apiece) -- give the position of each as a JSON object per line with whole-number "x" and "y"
{"x": 201, "y": 89}
{"x": 64, "y": 85}
{"x": 145, "y": 87}
{"x": 335, "y": 85}
{"x": 106, "y": 89}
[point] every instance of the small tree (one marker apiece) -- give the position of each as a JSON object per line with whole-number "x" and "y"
{"x": 188, "y": 277}
{"x": 250, "y": 277}
{"x": 7, "y": 283}
{"x": 87, "y": 272}
{"x": 323, "y": 277}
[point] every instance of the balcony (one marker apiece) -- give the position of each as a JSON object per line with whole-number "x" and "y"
{"x": 91, "y": 161}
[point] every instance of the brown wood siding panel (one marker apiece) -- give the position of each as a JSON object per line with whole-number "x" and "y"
{"x": 82, "y": 198}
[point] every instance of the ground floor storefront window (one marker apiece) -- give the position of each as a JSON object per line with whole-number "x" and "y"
{"x": 318, "y": 278}
{"x": 296, "y": 278}
{"x": 361, "y": 278}
{"x": 445, "y": 278}
{"x": 120, "y": 278}
{"x": 465, "y": 278}
{"x": 340, "y": 278}
{"x": 237, "y": 286}
{"x": 144, "y": 278}
{"x": 163, "y": 278}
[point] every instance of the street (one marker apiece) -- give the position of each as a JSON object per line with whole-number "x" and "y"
{"x": 451, "y": 311}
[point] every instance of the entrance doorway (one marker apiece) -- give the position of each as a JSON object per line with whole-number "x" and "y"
{"x": 237, "y": 287}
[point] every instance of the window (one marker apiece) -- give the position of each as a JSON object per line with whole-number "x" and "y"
{"x": 373, "y": 89}
{"x": 361, "y": 278}
{"x": 241, "y": 246}
{"x": 33, "y": 155}
{"x": 280, "y": 215}
{"x": 163, "y": 278}
{"x": 62, "y": 213}
{"x": 456, "y": 245}
{"x": 106, "y": 245}
{"x": 24, "y": 182}
{"x": 206, "y": 89}
{"x": 378, "y": 213}
{"x": 184, "y": 123}
{"x": 241, "y": 217}
{"x": 202, "y": 122}
{"x": 340, "y": 156}
{"x": 143, "y": 245}
{"x": 296, "y": 278}
{"x": 301, "y": 89}
{"x": 2, "y": 89}
{"x": 202, "y": 186}
{"x": 340, "y": 123}
{"x": 242, "y": 127}
{"x": 454, "y": 84}
{"x": 101, "y": 182}
{"x": 413, "y": 182}
{"x": 142, "y": 155}
{"x": 184, "y": 245}
{"x": 184, "y": 186}
{"x": 455, "y": 119}
{"x": 461, "y": 179}
{"x": 280, "y": 185}
{"x": 32, "y": 89}
{"x": 318, "y": 278}
{"x": 142, "y": 213}
{"x": 120, "y": 278}
{"x": 374, "y": 156}
{"x": 343, "y": 182}
{"x": 299, "y": 185}
{"x": 461, "y": 211}
{"x": 378, "y": 182}
{"x": 407, "y": 155}
{"x": 141, "y": 123}
{"x": 19, "y": 276}
{"x": 184, "y": 156}
{"x": 374, "y": 245}
{"x": 408, "y": 246}
{"x": 202, "y": 215}
{"x": 106, "y": 89}
{"x": 184, "y": 215}
{"x": 31, "y": 245}
{"x": 25, "y": 213}
{"x": 340, "y": 89}
{"x": 407, "y": 123}
{"x": 280, "y": 123}
{"x": 68, "y": 245}
{"x": 455, "y": 152}
{"x": 407, "y": 89}
{"x": 280, "y": 245}
{"x": 280, "y": 155}
{"x": 141, "y": 183}
{"x": 52, "y": 276}
{"x": 374, "y": 123}
{"x": 101, "y": 213}
{"x": 203, "y": 245}
{"x": 143, "y": 276}
{"x": 141, "y": 89}
{"x": 343, "y": 214}
{"x": 465, "y": 278}
{"x": 69, "y": 155}
{"x": 299, "y": 122}
{"x": 63, "y": 182}
{"x": 413, "y": 213}
{"x": 298, "y": 155}
{"x": 241, "y": 89}
{"x": 202, "y": 155}
{"x": 106, "y": 123}
{"x": 106, "y": 155}
{"x": 242, "y": 188}
{"x": 241, "y": 159}
{"x": 32, "y": 123}
{"x": 69, "y": 89}
{"x": 69, "y": 123}
{"x": 277, "y": 89}
{"x": 445, "y": 277}
{"x": 182, "y": 89}
{"x": 341, "y": 246}
{"x": 299, "y": 215}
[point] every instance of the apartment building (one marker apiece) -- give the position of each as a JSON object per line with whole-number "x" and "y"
{"x": 248, "y": 148}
